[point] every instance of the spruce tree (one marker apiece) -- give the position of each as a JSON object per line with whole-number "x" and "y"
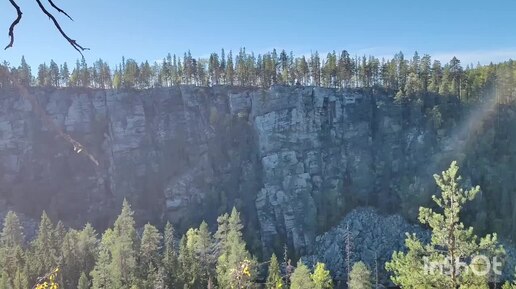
{"x": 11, "y": 242}
{"x": 83, "y": 282}
{"x": 235, "y": 267}
{"x": 274, "y": 280}
{"x": 44, "y": 257}
{"x": 300, "y": 278}
{"x": 451, "y": 242}
{"x": 123, "y": 249}
{"x": 321, "y": 277}
{"x": 149, "y": 256}
{"x": 86, "y": 248}
{"x": 69, "y": 262}
{"x": 101, "y": 274}
{"x": 204, "y": 254}
{"x": 360, "y": 277}
{"x": 116, "y": 266}
{"x": 169, "y": 261}
{"x": 4, "y": 280}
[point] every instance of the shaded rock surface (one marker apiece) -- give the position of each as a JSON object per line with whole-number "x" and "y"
{"x": 294, "y": 160}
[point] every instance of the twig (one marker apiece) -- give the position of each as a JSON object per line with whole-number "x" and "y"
{"x": 59, "y": 9}
{"x": 15, "y": 22}
{"x": 72, "y": 42}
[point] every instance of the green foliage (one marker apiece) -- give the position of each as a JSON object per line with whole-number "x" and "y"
{"x": 450, "y": 241}
{"x": 274, "y": 280}
{"x": 149, "y": 256}
{"x": 83, "y": 282}
{"x": 321, "y": 277}
{"x": 43, "y": 254}
{"x": 116, "y": 266}
{"x": 235, "y": 266}
{"x": 300, "y": 278}
{"x": 169, "y": 261}
{"x": 360, "y": 277}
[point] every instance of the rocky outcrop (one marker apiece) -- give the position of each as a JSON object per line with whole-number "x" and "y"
{"x": 373, "y": 238}
{"x": 294, "y": 160}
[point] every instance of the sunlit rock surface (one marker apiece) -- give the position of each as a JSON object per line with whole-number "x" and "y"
{"x": 294, "y": 160}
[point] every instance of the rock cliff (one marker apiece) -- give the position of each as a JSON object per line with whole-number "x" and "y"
{"x": 294, "y": 160}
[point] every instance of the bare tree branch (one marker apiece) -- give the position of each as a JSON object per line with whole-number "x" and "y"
{"x": 72, "y": 42}
{"x": 59, "y": 9}
{"x": 15, "y": 22}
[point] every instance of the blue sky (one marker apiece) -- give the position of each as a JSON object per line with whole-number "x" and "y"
{"x": 474, "y": 31}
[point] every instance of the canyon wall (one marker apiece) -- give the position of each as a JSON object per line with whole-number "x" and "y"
{"x": 294, "y": 160}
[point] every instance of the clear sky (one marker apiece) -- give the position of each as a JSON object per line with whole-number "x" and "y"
{"x": 475, "y": 31}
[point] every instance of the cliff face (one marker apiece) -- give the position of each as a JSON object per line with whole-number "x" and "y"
{"x": 293, "y": 159}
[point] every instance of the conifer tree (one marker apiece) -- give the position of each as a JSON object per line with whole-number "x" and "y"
{"x": 230, "y": 72}
{"x": 450, "y": 244}
{"x": 4, "y": 280}
{"x": 101, "y": 274}
{"x": 204, "y": 253}
{"x": 24, "y": 73}
{"x": 360, "y": 277}
{"x": 235, "y": 267}
{"x": 83, "y": 282}
{"x": 86, "y": 248}
{"x": 300, "y": 278}
{"x": 68, "y": 260}
{"x": 274, "y": 280}
{"x": 321, "y": 277}
{"x": 44, "y": 257}
{"x": 170, "y": 263}
{"x": 64, "y": 74}
{"x": 149, "y": 256}
{"x": 116, "y": 266}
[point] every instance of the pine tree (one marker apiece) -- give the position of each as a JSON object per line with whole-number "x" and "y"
{"x": 360, "y": 277}
{"x": 204, "y": 254}
{"x": 149, "y": 256}
{"x": 44, "y": 257}
{"x": 83, "y": 282}
{"x": 101, "y": 274}
{"x": 4, "y": 280}
{"x": 64, "y": 75}
{"x": 116, "y": 266}
{"x": 12, "y": 232}
{"x": 170, "y": 263}
{"x": 190, "y": 270}
{"x": 86, "y": 248}
{"x": 274, "y": 280}
{"x": 123, "y": 250}
{"x": 235, "y": 267}
{"x": 53, "y": 74}
{"x": 321, "y": 277}
{"x": 300, "y": 278}
{"x": 451, "y": 242}
{"x": 68, "y": 260}
{"x": 24, "y": 73}
{"x": 43, "y": 75}
{"x": 230, "y": 72}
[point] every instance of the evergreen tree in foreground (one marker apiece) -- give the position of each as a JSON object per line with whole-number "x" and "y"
{"x": 300, "y": 278}
{"x": 235, "y": 266}
{"x": 451, "y": 243}
{"x": 360, "y": 277}
{"x": 274, "y": 280}
{"x": 321, "y": 277}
